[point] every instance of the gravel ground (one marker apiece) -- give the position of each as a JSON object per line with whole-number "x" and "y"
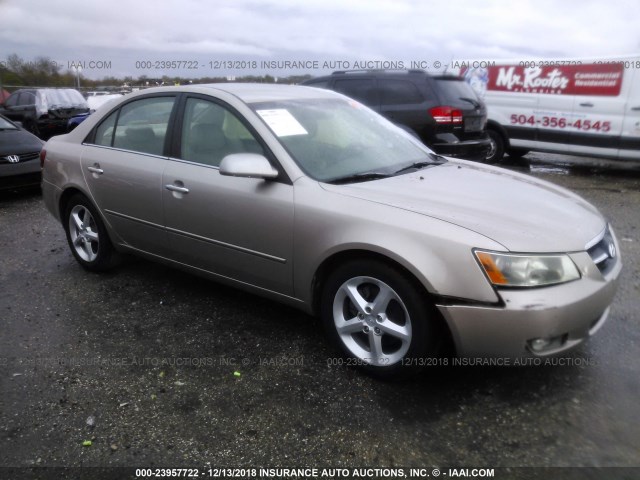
{"x": 141, "y": 362}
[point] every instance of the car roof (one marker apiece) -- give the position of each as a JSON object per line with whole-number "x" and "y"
{"x": 251, "y": 92}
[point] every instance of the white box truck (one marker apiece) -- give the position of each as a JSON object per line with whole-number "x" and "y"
{"x": 576, "y": 107}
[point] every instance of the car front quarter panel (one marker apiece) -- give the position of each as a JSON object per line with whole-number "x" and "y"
{"x": 436, "y": 253}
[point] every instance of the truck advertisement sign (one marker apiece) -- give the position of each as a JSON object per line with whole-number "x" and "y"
{"x": 586, "y": 79}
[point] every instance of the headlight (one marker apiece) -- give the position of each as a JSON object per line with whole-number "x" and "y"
{"x": 508, "y": 270}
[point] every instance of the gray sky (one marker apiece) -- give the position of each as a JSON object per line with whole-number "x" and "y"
{"x": 115, "y": 34}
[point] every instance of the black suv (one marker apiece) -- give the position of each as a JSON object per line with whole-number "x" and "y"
{"x": 443, "y": 111}
{"x": 44, "y": 111}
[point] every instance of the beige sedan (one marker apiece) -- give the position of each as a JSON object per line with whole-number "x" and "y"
{"x": 307, "y": 197}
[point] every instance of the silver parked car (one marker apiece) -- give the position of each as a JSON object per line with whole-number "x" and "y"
{"x": 308, "y": 197}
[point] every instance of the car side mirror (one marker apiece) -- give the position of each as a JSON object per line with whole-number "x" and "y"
{"x": 249, "y": 165}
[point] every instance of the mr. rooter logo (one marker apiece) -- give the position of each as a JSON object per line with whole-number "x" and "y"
{"x": 532, "y": 78}
{"x": 586, "y": 79}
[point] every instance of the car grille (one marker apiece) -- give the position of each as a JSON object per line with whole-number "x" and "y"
{"x": 602, "y": 251}
{"x": 25, "y": 157}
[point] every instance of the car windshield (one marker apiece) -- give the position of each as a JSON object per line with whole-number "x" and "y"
{"x": 6, "y": 125}
{"x": 340, "y": 139}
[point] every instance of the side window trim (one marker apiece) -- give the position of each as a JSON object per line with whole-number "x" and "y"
{"x": 115, "y": 124}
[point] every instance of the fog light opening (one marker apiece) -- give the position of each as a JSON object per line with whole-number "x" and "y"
{"x": 541, "y": 345}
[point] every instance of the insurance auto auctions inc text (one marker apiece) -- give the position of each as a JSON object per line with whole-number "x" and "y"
{"x": 360, "y": 472}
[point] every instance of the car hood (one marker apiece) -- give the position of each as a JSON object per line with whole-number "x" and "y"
{"x": 521, "y": 213}
{"x": 17, "y": 142}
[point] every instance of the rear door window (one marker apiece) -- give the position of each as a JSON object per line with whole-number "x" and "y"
{"x": 104, "y": 132}
{"x": 139, "y": 126}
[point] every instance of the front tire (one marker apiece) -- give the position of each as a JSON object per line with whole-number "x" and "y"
{"x": 378, "y": 319}
{"x": 87, "y": 235}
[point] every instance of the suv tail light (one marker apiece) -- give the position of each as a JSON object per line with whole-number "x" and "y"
{"x": 43, "y": 156}
{"x": 446, "y": 115}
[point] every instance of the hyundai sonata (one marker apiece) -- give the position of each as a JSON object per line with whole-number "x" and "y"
{"x": 308, "y": 197}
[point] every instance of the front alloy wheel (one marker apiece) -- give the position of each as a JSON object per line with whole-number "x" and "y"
{"x": 372, "y": 321}
{"x": 379, "y": 318}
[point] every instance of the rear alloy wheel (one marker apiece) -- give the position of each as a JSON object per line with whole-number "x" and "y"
{"x": 378, "y": 319}
{"x": 87, "y": 235}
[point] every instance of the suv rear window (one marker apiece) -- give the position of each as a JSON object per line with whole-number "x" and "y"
{"x": 455, "y": 89}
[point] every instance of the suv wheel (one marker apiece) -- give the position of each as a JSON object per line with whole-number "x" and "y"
{"x": 496, "y": 152}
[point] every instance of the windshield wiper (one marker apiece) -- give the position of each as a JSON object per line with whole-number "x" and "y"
{"x": 475, "y": 103}
{"x": 358, "y": 177}
{"x": 437, "y": 160}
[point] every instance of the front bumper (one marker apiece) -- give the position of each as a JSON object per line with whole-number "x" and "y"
{"x": 569, "y": 314}
{"x": 13, "y": 175}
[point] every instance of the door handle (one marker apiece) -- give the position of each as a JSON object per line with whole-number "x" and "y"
{"x": 176, "y": 188}
{"x": 635, "y": 109}
{"x": 96, "y": 169}
{"x": 586, "y": 104}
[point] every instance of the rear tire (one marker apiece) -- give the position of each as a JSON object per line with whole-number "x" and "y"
{"x": 378, "y": 319}
{"x": 496, "y": 152}
{"x": 87, "y": 235}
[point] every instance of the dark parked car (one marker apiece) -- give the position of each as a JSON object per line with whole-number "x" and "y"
{"x": 44, "y": 111}
{"x": 19, "y": 153}
{"x": 443, "y": 111}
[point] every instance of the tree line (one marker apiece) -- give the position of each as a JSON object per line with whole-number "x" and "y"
{"x": 16, "y": 72}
